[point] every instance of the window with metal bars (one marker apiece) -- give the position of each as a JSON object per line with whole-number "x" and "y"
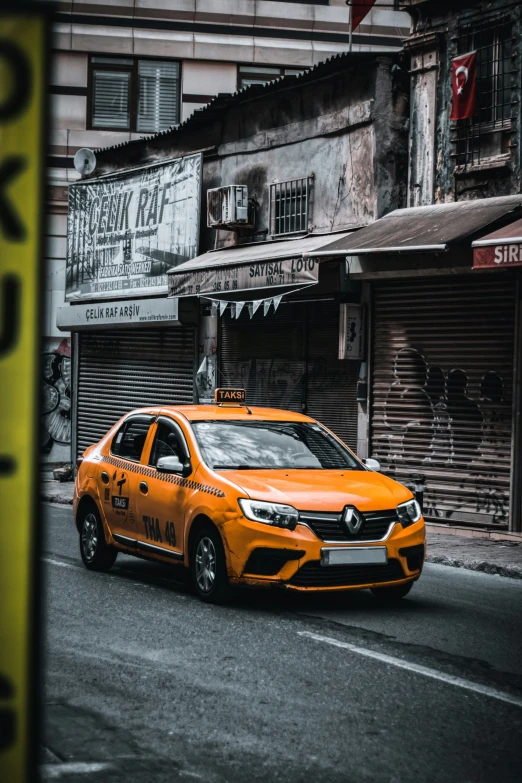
{"x": 135, "y": 95}
{"x": 486, "y": 136}
{"x": 290, "y": 206}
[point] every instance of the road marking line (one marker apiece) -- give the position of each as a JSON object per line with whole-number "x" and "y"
{"x": 54, "y": 771}
{"x": 484, "y": 690}
{"x": 60, "y": 563}
{"x": 151, "y": 580}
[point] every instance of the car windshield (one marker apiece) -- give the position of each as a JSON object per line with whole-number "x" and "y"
{"x": 266, "y": 445}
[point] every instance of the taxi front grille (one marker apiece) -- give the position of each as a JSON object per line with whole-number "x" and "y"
{"x": 329, "y": 527}
{"x": 313, "y": 574}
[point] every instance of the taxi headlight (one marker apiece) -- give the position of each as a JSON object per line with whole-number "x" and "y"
{"x": 409, "y": 512}
{"x": 276, "y": 514}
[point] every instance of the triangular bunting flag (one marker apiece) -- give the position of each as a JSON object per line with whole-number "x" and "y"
{"x": 222, "y": 307}
{"x": 277, "y": 301}
{"x": 239, "y": 307}
{"x": 266, "y": 305}
{"x": 255, "y": 305}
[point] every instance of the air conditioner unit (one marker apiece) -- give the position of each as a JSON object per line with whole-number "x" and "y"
{"x": 228, "y": 207}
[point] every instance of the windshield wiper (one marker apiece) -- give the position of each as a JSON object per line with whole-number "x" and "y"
{"x": 235, "y": 467}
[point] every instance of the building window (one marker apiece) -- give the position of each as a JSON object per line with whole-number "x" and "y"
{"x": 487, "y": 135}
{"x": 133, "y": 95}
{"x": 290, "y": 206}
{"x": 256, "y": 74}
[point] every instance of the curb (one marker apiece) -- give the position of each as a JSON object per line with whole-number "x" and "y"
{"x": 511, "y": 571}
{"x": 49, "y": 498}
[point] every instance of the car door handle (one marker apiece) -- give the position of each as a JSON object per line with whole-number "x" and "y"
{"x": 105, "y": 477}
{"x": 144, "y": 487}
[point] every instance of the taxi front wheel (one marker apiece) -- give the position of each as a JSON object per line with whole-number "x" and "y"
{"x": 392, "y": 594}
{"x": 96, "y": 554}
{"x": 209, "y": 567}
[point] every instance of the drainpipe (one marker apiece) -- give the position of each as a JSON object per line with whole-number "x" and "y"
{"x": 515, "y": 493}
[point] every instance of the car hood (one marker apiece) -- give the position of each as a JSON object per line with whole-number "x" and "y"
{"x": 321, "y": 490}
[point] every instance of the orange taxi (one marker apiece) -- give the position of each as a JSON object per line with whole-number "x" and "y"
{"x": 246, "y": 495}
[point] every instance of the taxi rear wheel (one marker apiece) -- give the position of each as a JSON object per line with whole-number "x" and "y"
{"x": 209, "y": 567}
{"x": 392, "y": 594}
{"x": 96, "y": 554}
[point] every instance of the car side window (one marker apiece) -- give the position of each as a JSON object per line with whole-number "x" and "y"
{"x": 167, "y": 443}
{"x": 130, "y": 439}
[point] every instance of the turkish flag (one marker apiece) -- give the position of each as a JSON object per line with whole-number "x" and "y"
{"x": 360, "y": 8}
{"x": 464, "y": 86}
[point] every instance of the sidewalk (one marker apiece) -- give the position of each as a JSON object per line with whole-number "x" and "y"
{"x": 52, "y": 491}
{"x": 458, "y": 549}
{"x": 478, "y": 554}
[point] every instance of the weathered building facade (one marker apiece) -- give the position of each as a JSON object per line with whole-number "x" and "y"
{"x": 471, "y": 158}
{"x": 319, "y": 155}
{"x": 444, "y": 398}
{"x": 412, "y": 238}
{"x": 129, "y": 68}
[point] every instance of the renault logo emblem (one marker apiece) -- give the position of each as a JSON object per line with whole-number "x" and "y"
{"x": 353, "y": 520}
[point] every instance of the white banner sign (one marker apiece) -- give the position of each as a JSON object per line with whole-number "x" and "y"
{"x": 245, "y": 277}
{"x": 123, "y": 233}
{"x": 132, "y": 312}
{"x": 351, "y": 331}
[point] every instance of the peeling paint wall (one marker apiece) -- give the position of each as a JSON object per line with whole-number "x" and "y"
{"x": 421, "y": 146}
{"x": 343, "y": 190}
{"x": 349, "y": 132}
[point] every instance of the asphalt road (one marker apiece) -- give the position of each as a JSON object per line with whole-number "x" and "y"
{"x": 146, "y": 683}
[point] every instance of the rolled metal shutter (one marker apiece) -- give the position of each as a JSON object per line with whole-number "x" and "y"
{"x": 331, "y": 390}
{"x": 288, "y": 360}
{"x": 122, "y": 370}
{"x": 442, "y": 391}
{"x": 266, "y": 356}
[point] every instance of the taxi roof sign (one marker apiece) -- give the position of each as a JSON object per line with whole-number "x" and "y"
{"x": 230, "y": 396}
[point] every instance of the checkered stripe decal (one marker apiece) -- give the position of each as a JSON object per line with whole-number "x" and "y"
{"x": 170, "y": 478}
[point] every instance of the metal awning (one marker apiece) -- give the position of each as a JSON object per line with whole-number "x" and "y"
{"x": 500, "y": 249}
{"x": 508, "y": 235}
{"x": 425, "y": 229}
{"x": 251, "y": 271}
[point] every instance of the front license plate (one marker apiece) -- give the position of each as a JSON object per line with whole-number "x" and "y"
{"x": 355, "y": 555}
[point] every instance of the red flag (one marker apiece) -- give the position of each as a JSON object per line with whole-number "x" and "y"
{"x": 360, "y": 8}
{"x": 464, "y": 86}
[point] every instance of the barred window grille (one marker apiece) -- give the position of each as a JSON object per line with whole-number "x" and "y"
{"x": 487, "y": 135}
{"x": 158, "y": 95}
{"x": 290, "y": 206}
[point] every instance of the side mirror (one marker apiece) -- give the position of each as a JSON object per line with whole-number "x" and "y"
{"x": 169, "y": 464}
{"x": 372, "y": 464}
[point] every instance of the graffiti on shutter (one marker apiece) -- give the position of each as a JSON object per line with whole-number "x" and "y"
{"x": 442, "y": 387}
